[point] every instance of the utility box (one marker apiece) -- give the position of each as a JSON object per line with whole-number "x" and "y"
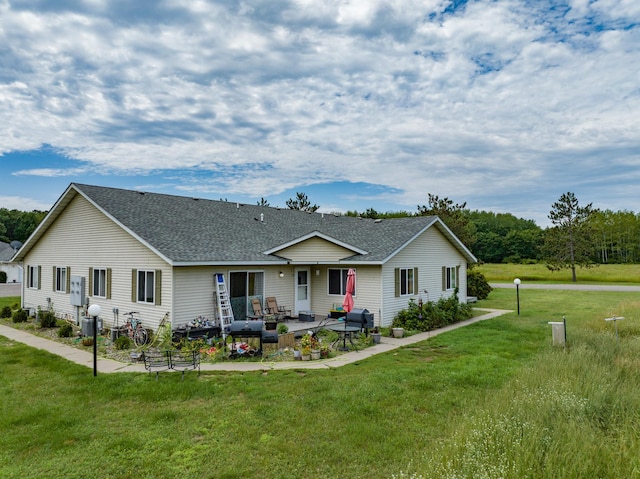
{"x": 77, "y": 293}
{"x": 558, "y": 333}
{"x": 87, "y": 326}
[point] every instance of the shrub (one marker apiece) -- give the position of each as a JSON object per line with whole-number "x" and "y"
{"x": 6, "y": 312}
{"x": 122, "y": 343}
{"x": 47, "y": 319}
{"x": 283, "y": 328}
{"x": 65, "y": 331}
{"x": 19, "y": 316}
{"x": 477, "y": 285}
{"x": 432, "y": 315}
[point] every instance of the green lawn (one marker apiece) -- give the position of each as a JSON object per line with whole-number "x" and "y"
{"x": 493, "y": 399}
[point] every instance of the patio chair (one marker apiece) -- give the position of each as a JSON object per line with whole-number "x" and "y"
{"x": 257, "y": 309}
{"x": 280, "y": 312}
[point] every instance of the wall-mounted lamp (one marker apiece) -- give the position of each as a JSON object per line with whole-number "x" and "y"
{"x": 317, "y": 272}
{"x": 281, "y": 274}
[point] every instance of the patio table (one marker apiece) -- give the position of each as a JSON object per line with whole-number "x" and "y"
{"x": 345, "y": 332}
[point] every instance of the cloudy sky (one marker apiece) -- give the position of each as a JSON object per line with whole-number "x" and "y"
{"x": 504, "y": 104}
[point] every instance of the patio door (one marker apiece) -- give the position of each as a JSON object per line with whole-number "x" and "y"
{"x": 243, "y": 287}
{"x": 303, "y": 290}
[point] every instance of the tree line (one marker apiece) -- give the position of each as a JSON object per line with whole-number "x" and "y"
{"x": 580, "y": 234}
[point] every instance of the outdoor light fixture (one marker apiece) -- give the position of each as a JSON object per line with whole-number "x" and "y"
{"x": 517, "y": 283}
{"x": 281, "y": 274}
{"x": 94, "y": 310}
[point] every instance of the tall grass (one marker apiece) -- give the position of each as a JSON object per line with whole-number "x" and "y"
{"x": 608, "y": 273}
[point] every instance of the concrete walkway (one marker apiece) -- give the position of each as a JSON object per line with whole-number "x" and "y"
{"x": 85, "y": 358}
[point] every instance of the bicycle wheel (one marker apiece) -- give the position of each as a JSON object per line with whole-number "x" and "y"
{"x": 140, "y": 337}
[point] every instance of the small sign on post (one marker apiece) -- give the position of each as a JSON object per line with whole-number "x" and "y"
{"x": 559, "y": 332}
{"x": 615, "y": 323}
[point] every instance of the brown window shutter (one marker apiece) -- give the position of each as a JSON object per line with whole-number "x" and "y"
{"x": 39, "y": 277}
{"x": 54, "y": 278}
{"x": 444, "y": 278}
{"x": 158, "y": 292}
{"x": 397, "y": 280}
{"x": 415, "y": 281}
{"x": 134, "y": 283}
{"x": 108, "y": 283}
{"x": 68, "y": 285}
{"x": 90, "y": 282}
{"x": 458, "y": 276}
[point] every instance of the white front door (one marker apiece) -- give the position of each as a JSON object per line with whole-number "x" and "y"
{"x": 303, "y": 290}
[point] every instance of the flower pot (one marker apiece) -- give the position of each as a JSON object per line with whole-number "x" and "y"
{"x": 397, "y": 332}
{"x": 315, "y": 354}
{"x": 376, "y": 338}
{"x": 306, "y": 357}
{"x": 297, "y": 354}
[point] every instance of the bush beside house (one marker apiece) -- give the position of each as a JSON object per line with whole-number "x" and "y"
{"x": 432, "y": 315}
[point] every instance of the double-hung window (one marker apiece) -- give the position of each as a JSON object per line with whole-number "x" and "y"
{"x": 61, "y": 279}
{"x": 146, "y": 286}
{"x": 406, "y": 282}
{"x": 450, "y": 277}
{"x": 33, "y": 277}
{"x": 338, "y": 281}
{"x": 100, "y": 282}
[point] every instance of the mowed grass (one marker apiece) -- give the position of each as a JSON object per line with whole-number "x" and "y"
{"x": 493, "y": 399}
{"x": 608, "y": 273}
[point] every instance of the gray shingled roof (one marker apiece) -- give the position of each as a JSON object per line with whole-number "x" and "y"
{"x": 197, "y": 231}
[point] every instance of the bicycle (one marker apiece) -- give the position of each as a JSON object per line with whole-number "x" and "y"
{"x": 135, "y": 330}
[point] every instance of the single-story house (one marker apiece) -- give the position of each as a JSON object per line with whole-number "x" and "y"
{"x": 13, "y": 270}
{"x": 156, "y": 254}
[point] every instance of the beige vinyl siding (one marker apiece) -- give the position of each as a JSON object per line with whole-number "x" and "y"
{"x": 315, "y": 250}
{"x": 195, "y": 289}
{"x": 83, "y": 238}
{"x": 367, "y": 289}
{"x": 439, "y": 253}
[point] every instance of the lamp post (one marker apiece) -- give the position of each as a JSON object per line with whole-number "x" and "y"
{"x": 517, "y": 283}
{"x": 94, "y": 310}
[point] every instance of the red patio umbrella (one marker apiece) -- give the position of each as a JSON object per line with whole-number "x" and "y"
{"x": 347, "y": 303}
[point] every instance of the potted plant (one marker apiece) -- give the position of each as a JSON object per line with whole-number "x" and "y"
{"x": 310, "y": 341}
{"x": 306, "y": 353}
{"x": 397, "y": 332}
{"x": 324, "y": 352}
{"x": 375, "y": 334}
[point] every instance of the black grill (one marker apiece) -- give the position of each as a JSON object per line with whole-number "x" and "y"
{"x": 361, "y": 318}
{"x": 251, "y": 329}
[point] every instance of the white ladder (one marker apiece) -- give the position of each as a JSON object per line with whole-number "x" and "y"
{"x": 225, "y": 313}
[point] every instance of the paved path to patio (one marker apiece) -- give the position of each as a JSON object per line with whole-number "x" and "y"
{"x": 85, "y": 358}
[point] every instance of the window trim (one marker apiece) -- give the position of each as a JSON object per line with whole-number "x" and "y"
{"x": 450, "y": 278}
{"x": 33, "y": 276}
{"x": 61, "y": 279}
{"x": 343, "y": 281}
{"x": 156, "y": 290}
{"x": 411, "y": 284}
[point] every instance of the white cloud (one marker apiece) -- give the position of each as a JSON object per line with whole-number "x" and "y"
{"x": 397, "y": 93}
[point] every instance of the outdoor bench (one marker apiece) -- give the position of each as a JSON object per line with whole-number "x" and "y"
{"x": 171, "y": 360}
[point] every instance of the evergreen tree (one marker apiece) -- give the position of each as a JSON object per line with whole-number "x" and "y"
{"x": 302, "y": 203}
{"x": 568, "y": 243}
